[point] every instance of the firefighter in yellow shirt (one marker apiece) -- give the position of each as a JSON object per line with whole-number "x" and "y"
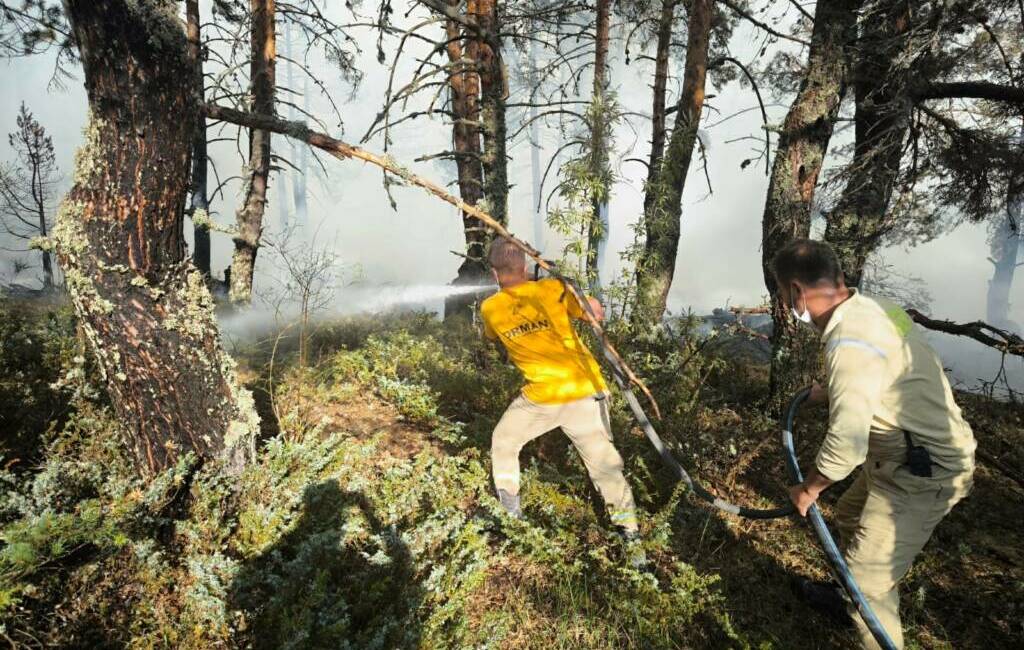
{"x": 891, "y": 412}
{"x": 564, "y": 387}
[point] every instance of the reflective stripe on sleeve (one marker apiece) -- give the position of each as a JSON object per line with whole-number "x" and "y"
{"x": 854, "y": 343}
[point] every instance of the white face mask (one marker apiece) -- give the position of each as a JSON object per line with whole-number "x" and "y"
{"x": 804, "y": 316}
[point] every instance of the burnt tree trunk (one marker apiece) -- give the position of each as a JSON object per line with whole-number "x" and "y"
{"x": 464, "y": 87}
{"x": 145, "y": 309}
{"x": 598, "y": 228}
{"x": 881, "y": 122}
{"x": 199, "y": 202}
{"x": 803, "y": 142}
{"x": 249, "y": 218}
{"x": 663, "y": 202}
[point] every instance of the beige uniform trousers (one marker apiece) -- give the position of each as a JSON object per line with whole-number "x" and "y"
{"x": 885, "y": 518}
{"x": 585, "y": 421}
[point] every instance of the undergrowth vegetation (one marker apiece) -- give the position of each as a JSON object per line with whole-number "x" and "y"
{"x": 367, "y": 519}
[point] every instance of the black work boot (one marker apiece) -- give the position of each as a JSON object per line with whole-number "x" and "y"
{"x": 510, "y": 502}
{"x": 826, "y": 598}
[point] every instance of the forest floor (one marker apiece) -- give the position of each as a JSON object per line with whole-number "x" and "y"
{"x": 367, "y": 519}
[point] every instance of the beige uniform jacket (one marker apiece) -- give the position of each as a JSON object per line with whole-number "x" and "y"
{"x": 883, "y": 379}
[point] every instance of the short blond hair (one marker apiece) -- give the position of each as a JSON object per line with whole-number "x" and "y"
{"x": 505, "y": 257}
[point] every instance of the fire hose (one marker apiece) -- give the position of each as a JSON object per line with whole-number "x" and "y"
{"x": 828, "y": 543}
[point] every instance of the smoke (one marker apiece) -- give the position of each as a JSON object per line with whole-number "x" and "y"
{"x": 353, "y": 300}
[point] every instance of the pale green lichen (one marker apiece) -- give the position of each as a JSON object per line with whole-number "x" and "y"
{"x": 45, "y": 244}
{"x": 90, "y": 162}
{"x": 193, "y": 317}
{"x": 68, "y": 234}
{"x": 84, "y": 291}
{"x": 201, "y": 219}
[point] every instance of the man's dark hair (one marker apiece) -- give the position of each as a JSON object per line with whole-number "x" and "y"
{"x": 506, "y": 257}
{"x": 808, "y": 261}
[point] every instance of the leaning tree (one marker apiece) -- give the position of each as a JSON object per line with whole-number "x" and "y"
{"x": 119, "y": 236}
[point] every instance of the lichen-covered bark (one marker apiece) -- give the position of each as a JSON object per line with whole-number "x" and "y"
{"x": 249, "y": 218}
{"x": 803, "y": 142}
{"x": 663, "y": 201}
{"x": 199, "y": 201}
{"x": 464, "y": 85}
{"x": 858, "y": 222}
{"x": 597, "y": 231}
{"x": 120, "y": 238}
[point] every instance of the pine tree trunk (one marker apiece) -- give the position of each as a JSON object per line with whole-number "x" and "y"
{"x": 598, "y": 227}
{"x": 199, "y": 201}
{"x": 664, "y": 44}
{"x": 144, "y": 307}
{"x": 798, "y": 159}
{"x": 663, "y": 202}
{"x": 464, "y": 85}
{"x": 249, "y": 217}
{"x": 478, "y": 103}
{"x": 493, "y": 92}
{"x": 858, "y": 222}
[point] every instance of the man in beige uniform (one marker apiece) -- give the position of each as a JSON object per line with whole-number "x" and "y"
{"x": 564, "y": 387}
{"x": 891, "y": 410}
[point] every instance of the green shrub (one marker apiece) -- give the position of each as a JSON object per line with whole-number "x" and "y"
{"x": 41, "y": 364}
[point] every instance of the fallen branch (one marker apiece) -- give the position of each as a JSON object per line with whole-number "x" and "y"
{"x": 980, "y": 331}
{"x": 742, "y": 311}
{"x": 344, "y": 151}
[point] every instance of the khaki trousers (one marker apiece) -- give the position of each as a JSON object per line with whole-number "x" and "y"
{"x": 585, "y": 422}
{"x": 885, "y": 518}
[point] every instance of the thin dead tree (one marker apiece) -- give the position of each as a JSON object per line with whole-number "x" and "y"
{"x": 249, "y": 218}
{"x": 28, "y": 186}
{"x": 240, "y": 46}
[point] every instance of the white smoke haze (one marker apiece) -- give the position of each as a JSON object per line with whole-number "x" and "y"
{"x": 262, "y": 319}
{"x": 405, "y": 254}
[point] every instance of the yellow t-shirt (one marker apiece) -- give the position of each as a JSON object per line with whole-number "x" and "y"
{"x": 532, "y": 320}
